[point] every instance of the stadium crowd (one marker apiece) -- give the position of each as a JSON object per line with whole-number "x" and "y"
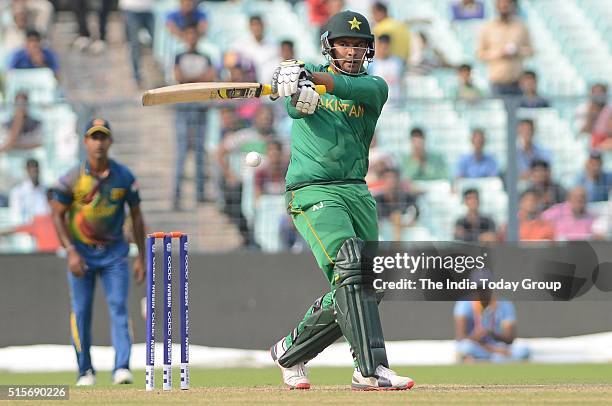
{"x": 551, "y": 207}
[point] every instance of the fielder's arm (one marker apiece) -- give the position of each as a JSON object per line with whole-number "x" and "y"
{"x": 508, "y": 333}
{"x": 76, "y": 264}
{"x": 59, "y": 212}
{"x": 138, "y": 232}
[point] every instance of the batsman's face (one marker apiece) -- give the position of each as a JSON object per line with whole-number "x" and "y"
{"x": 97, "y": 145}
{"x": 350, "y": 53}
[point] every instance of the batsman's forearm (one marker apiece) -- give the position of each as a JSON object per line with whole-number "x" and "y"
{"x": 325, "y": 79}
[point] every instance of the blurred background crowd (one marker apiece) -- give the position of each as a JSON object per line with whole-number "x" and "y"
{"x": 467, "y": 78}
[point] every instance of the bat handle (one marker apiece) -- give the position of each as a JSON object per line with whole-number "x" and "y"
{"x": 267, "y": 89}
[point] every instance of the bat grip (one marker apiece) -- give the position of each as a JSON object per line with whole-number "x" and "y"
{"x": 267, "y": 89}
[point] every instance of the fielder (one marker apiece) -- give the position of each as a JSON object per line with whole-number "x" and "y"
{"x": 330, "y": 204}
{"x": 89, "y": 214}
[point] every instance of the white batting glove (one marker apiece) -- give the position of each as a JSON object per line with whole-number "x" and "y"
{"x": 286, "y": 77}
{"x": 306, "y": 99}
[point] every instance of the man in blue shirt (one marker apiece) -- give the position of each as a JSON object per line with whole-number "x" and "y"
{"x": 485, "y": 329}
{"x": 89, "y": 214}
{"x": 596, "y": 182}
{"x": 529, "y": 86}
{"x": 187, "y": 15}
{"x": 528, "y": 151}
{"x": 477, "y": 164}
{"x": 34, "y": 55}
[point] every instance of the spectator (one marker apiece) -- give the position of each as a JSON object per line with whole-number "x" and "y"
{"x": 396, "y": 30}
{"x": 22, "y": 131}
{"x": 396, "y": 204}
{"x": 187, "y": 15}
{"x": 191, "y": 66}
{"x": 473, "y": 224}
{"x": 258, "y": 49}
{"x": 571, "y": 220}
{"x": 29, "y": 198}
{"x": 34, "y": 55}
{"x": 528, "y": 151}
{"x": 138, "y": 15}
{"x": 84, "y": 40}
{"x": 485, "y": 329}
{"x": 587, "y": 113}
{"x": 477, "y": 164}
{"x": 531, "y": 225}
{"x": 239, "y": 68}
{"x": 529, "y": 87}
{"x": 287, "y": 50}
{"x": 229, "y": 120}
{"x": 466, "y": 90}
{"x": 420, "y": 164}
{"x": 540, "y": 180}
{"x": 503, "y": 44}
{"x": 379, "y": 161}
{"x": 602, "y": 132}
{"x": 319, "y": 11}
{"x": 291, "y": 240}
{"x": 270, "y": 177}
{"x": 40, "y": 12}
{"x": 467, "y": 10}
{"x": 595, "y": 181}
{"x": 388, "y": 67}
{"x": 427, "y": 58}
{"x": 239, "y": 144}
{"x": 14, "y": 34}
{"x": 41, "y": 229}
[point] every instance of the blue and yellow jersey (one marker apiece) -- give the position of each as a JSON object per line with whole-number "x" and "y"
{"x": 97, "y": 204}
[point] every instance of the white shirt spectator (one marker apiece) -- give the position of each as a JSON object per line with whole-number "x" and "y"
{"x": 27, "y": 200}
{"x": 264, "y": 55}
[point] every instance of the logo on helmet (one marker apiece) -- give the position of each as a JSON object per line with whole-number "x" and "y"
{"x": 355, "y": 23}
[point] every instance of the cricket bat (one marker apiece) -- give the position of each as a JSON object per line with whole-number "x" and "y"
{"x": 203, "y": 91}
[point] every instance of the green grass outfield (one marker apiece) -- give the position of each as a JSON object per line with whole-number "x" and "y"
{"x": 468, "y": 384}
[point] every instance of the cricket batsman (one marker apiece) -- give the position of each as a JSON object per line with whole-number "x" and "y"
{"x": 330, "y": 203}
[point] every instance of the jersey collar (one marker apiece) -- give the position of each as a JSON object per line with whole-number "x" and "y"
{"x": 87, "y": 170}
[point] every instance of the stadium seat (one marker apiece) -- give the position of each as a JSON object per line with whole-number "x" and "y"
{"x": 393, "y": 130}
{"x": 492, "y": 184}
{"x": 20, "y": 243}
{"x": 40, "y": 84}
{"x": 438, "y": 208}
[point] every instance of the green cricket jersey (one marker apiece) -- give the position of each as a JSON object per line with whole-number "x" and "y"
{"x": 331, "y": 145}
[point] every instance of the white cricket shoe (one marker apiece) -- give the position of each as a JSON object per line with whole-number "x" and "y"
{"x": 122, "y": 376}
{"x": 385, "y": 379}
{"x": 89, "y": 379}
{"x": 295, "y": 377}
